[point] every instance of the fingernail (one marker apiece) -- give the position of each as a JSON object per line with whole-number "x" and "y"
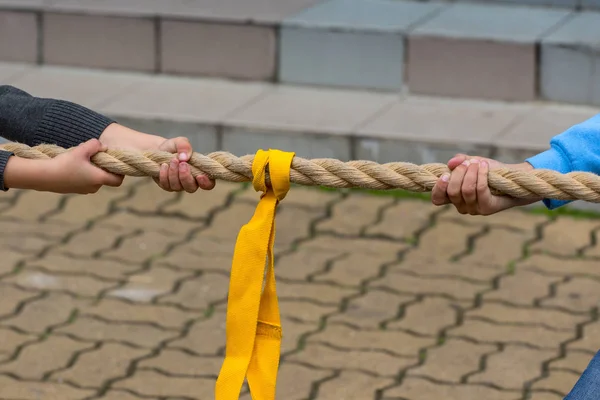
{"x": 183, "y": 156}
{"x": 484, "y": 163}
{"x": 173, "y": 163}
{"x": 183, "y": 167}
{"x": 164, "y": 167}
{"x": 445, "y": 177}
{"x": 474, "y": 161}
{"x": 466, "y": 163}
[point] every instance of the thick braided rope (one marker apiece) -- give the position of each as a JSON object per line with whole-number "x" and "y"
{"x": 338, "y": 174}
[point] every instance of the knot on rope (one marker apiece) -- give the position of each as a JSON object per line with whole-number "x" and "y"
{"x": 279, "y": 164}
{"x": 253, "y": 326}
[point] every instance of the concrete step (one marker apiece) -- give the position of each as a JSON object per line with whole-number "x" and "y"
{"x": 497, "y": 49}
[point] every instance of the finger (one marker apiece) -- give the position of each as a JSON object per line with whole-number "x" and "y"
{"x": 179, "y": 145}
{"x": 112, "y": 180}
{"x": 438, "y": 193}
{"x": 484, "y": 194}
{"x": 89, "y": 148}
{"x": 457, "y": 160}
{"x": 469, "y": 187}
{"x": 187, "y": 180}
{"x": 174, "y": 182}
{"x": 163, "y": 177}
{"x": 455, "y": 185}
{"x": 205, "y": 182}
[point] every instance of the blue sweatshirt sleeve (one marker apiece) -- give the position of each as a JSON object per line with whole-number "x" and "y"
{"x": 576, "y": 149}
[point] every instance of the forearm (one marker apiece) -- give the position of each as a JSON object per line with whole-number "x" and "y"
{"x": 121, "y": 137}
{"x": 33, "y": 120}
{"x": 21, "y": 173}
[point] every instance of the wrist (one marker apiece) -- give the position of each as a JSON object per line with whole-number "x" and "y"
{"x": 117, "y": 136}
{"x": 21, "y": 173}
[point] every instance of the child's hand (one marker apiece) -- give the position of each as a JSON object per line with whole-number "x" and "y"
{"x": 70, "y": 172}
{"x": 467, "y": 186}
{"x": 177, "y": 176}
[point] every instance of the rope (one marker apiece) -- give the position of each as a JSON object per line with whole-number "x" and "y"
{"x": 333, "y": 173}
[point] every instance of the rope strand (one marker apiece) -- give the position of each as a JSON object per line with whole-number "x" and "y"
{"x": 333, "y": 173}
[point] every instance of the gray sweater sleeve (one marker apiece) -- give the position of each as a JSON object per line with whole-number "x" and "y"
{"x": 33, "y": 120}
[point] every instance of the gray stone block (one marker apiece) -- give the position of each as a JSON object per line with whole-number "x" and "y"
{"x": 480, "y": 51}
{"x": 218, "y": 49}
{"x": 96, "y": 41}
{"x": 349, "y": 43}
{"x": 19, "y": 36}
{"x": 204, "y": 138}
{"x": 241, "y": 141}
{"x": 554, "y": 3}
{"x": 590, "y": 4}
{"x": 570, "y": 58}
{"x": 416, "y": 152}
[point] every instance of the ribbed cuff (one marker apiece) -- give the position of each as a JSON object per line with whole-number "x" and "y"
{"x": 4, "y": 156}
{"x": 67, "y": 125}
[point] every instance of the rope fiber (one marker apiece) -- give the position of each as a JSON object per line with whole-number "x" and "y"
{"x": 334, "y": 173}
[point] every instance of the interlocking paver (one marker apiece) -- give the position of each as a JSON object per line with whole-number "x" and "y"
{"x": 469, "y": 271}
{"x": 493, "y": 333}
{"x": 429, "y": 316}
{"x": 93, "y": 368}
{"x": 504, "y": 314}
{"x": 54, "y": 262}
{"x": 402, "y": 220}
{"x": 555, "y": 266}
{"x": 141, "y": 247}
{"x": 90, "y": 242}
{"x": 78, "y": 285}
{"x": 513, "y": 367}
{"x": 160, "y": 224}
{"x": 10, "y": 340}
{"x": 200, "y": 292}
{"x": 574, "y": 361}
{"x": 578, "y": 294}
{"x": 13, "y": 297}
{"x": 516, "y": 219}
{"x": 312, "y": 261}
{"x": 14, "y": 389}
{"x": 350, "y": 385}
{"x": 40, "y": 358}
{"x": 559, "y": 381}
{"x": 147, "y": 197}
{"x": 151, "y": 383}
{"x": 353, "y": 269}
{"x": 372, "y": 309}
{"x": 177, "y": 362}
{"x": 206, "y": 336}
{"x": 417, "y": 388}
{"x": 555, "y": 241}
{"x": 590, "y": 340}
{"x": 190, "y": 206}
{"x": 522, "y": 288}
{"x": 353, "y": 214}
{"x": 121, "y": 311}
{"x": 453, "y": 360}
{"x": 443, "y": 242}
{"x": 305, "y": 310}
{"x": 33, "y": 205}
{"x": 134, "y": 334}
{"x": 485, "y": 248}
{"x": 373, "y": 362}
{"x": 78, "y": 209}
{"x": 42, "y": 313}
{"x": 394, "y": 342}
{"x": 455, "y": 288}
{"x": 147, "y": 285}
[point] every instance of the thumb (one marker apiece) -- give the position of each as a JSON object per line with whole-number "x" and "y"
{"x": 89, "y": 148}
{"x": 179, "y": 145}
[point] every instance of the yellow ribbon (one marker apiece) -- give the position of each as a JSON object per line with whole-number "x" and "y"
{"x": 253, "y": 327}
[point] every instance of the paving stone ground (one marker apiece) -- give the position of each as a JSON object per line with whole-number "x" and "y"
{"x": 121, "y": 295}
